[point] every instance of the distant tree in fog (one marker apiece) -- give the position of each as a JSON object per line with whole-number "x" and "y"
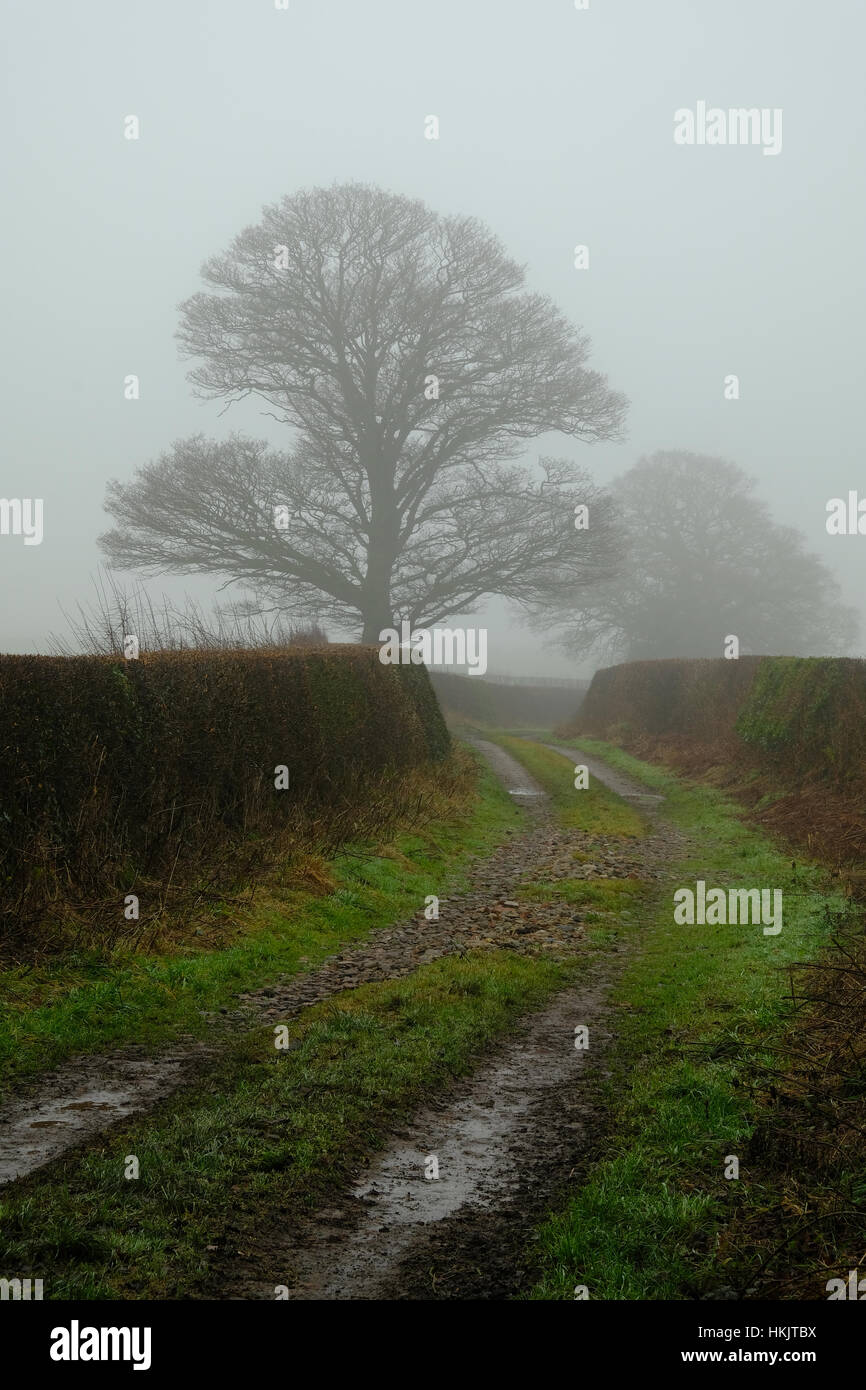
{"x": 703, "y": 559}
{"x": 403, "y": 350}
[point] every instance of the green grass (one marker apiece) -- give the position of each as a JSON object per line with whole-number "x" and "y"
{"x": 593, "y": 808}
{"x": 270, "y": 1133}
{"x": 698, "y": 1006}
{"x": 612, "y": 894}
{"x": 608, "y": 900}
{"x": 92, "y": 1002}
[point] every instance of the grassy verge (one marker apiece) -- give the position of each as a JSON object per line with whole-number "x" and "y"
{"x": 701, "y": 1010}
{"x": 93, "y": 1001}
{"x": 270, "y": 1134}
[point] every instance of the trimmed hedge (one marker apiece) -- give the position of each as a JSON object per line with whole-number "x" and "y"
{"x": 699, "y": 698}
{"x": 806, "y": 713}
{"x": 109, "y": 768}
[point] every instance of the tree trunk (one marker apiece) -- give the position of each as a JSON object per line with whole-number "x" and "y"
{"x": 373, "y": 626}
{"x": 377, "y": 615}
{"x": 381, "y": 552}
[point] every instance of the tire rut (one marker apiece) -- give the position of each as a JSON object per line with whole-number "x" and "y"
{"x": 506, "y": 1142}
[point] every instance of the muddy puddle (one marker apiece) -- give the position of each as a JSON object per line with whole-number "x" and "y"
{"x": 77, "y": 1104}
{"x": 467, "y": 1182}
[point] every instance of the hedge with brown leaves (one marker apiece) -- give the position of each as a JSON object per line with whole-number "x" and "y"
{"x": 109, "y": 768}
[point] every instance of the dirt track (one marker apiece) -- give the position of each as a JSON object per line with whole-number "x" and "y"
{"x": 506, "y": 1140}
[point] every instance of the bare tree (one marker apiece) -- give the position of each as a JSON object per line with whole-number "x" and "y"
{"x": 403, "y": 349}
{"x": 704, "y": 559}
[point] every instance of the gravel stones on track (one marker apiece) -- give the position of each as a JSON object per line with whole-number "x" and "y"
{"x": 487, "y": 915}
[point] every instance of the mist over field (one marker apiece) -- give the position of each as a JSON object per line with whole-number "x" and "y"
{"x": 556, "y": 130}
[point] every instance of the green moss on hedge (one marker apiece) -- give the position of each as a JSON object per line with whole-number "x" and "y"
{"x": 808, "y": 712}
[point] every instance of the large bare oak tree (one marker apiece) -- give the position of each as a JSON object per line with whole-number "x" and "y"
{"x": 412, "y": 365}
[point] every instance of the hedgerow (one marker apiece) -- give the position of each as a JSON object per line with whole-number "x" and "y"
{"x": 111, "y": 769}
{"x": 807, "y": 714}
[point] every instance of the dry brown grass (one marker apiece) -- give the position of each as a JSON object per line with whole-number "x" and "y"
{"x": 241, "y": 871}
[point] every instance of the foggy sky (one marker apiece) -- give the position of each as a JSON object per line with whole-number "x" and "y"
{"x": 556, "y": 129}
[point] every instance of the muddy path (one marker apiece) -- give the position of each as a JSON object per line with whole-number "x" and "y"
{"x": 450, "y": 1208}
{"x": 81, "y": 1099}
{"x": 78, "y": 1102}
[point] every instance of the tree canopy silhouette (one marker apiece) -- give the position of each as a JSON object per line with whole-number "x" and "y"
{"x": 411, "y": 365}
{"x": 704, "y": 559}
